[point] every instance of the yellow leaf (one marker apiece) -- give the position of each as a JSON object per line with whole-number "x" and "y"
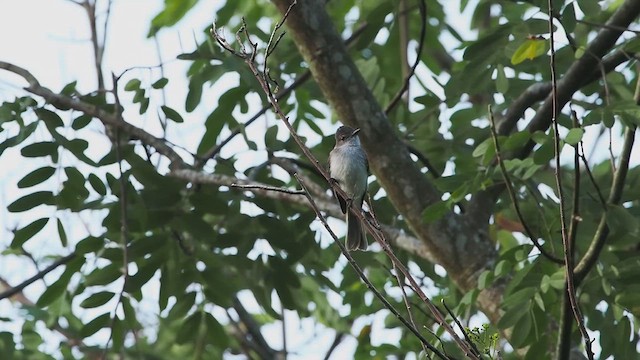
{"x": 530, "y": 49}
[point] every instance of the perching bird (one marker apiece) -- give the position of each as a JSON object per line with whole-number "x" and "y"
{"x": 349, "y": 167}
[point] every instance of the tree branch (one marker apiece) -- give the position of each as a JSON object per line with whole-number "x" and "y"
{"x": 602, "y": 232}
{"x": 573, "y": 79}
{"x": 64, "y": 103}
{"x": 16, "y": 289}
{"x": 404, "y": 36}
{"x": 451, "y": 238}
{"x": 364, "y": 278}
{"x": 512, "y": 194}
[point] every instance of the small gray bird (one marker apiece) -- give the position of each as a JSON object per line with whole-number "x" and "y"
{"x": 349, "y": 167}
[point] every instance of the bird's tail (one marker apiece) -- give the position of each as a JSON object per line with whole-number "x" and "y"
{"x": 356, "y": 237}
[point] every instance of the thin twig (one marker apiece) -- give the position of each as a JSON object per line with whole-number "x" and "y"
{"x": 407, "y": 304}
{"x": 466, "y": 336}
{"x": 284, "y": 334}
{"x": 575, "y": 211}
{"x": 566, "y": 323}
{"x": 593, "y": 252}
{"x": 608, "y": 26}
{"x": 211, "y": 153}
{"x": 268, "y": 188}
{"x": 512, "y": 193}
{"x": 336, "y": 341}
{"x": 252, "y": 329}
{"x": 371, "y": 228}
{"x": 423, "y": 31}
{"x": 124, "y": 227}
{"x": 558, "y": 176}
{"x": 361, "y": 274}
{"x": 587, "y": 169}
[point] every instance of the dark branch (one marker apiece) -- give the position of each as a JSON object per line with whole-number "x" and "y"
{"x": 405, "y": 85}
{"x": 37, "y": 276}
{"x": 115, "y": 120}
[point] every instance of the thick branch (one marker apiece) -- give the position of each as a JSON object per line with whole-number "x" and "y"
{"x": 539, "y": 91}
{"x": 573, "y": 79}
{"x": 452, "y": 238}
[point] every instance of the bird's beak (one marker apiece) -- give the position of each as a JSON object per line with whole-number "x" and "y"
{"x": 355, "y": 132}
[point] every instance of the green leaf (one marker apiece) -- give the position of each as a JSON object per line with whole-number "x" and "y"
{"x": 189, "y": 329}
{"x": 483, "y": 148}
{"x": 436, "y": 211}
{"x": 182, "y": 306}
{"x": 270, "y": 137}
{"x": 172, "y": 114}
{"x": 104, "y": 276}
{"x": 485, "y": 279}
{"x": 36, "y": 177}
{"x": 97, "y": 184}
{"x": 51, "y": 119}
{"x": 195, "y": 94}
{"x": 62, "y": 234}
{"x": 146, "y": 269}
{"x": 502, "y": 83}
{"x": 521, "y": 330}
{"x": 529, "y": 50}
{"x": 544, "y": 154}
{"x": 39, "y": 149}
{"x": 519, "y": 297}
{"x": 89, "y": 244}
{"x": 574, "y": 136}
{"x": 511, "y": 317}
{"x": 69, "y": 89}
{"x": 173, "y": 11}
{"x": 569, "y": 18}
{"x": 139, "y": 96}
{"x": 216, "y": 332}
{"x": 161, "y": 83}
{"x": 132, "y": 85}
{"x": 92, "y": 327}
{"x": 502, "y": 268}
{"x": 117, "y": 334}
{"x": 54, "y": 291}
{"x": 144, "y": 105}
{"x": 21, "y": 236}
{"x": 30, "y": 201}
{"x": 81, "y": 122}
{"x": 621, "y": 221}
{"x": 97, "y": 299}
{"x": 630, "y": 299}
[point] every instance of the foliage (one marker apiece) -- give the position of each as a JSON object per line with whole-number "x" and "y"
{"x": 200, "y": 251}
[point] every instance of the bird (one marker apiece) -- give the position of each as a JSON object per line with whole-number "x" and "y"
{"x": 349, "y": 168}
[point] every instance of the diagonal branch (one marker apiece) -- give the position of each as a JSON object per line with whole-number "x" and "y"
{"x": 396, "y": 236}
{"x": 408, "y": 324}
{"x": 300, "y": 80}
{"x": 17, "y": 289}
{"x": 423, "y": 31}
{"x": 512, "y": 194}
{"x": 453, "y": 237}
{"x": 574, "y": 77}
{"x": 64, "y": 103}
{"x": 602, "y": 232}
